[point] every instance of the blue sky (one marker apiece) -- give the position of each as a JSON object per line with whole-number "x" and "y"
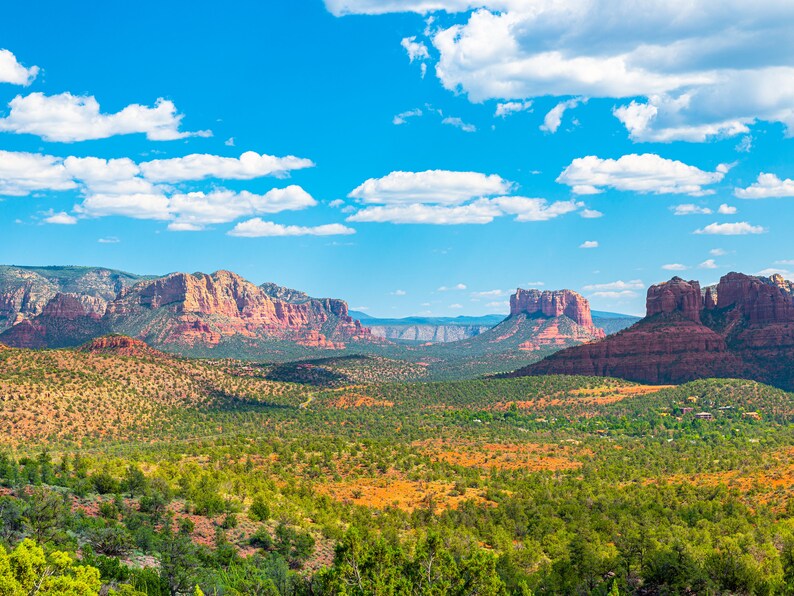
{"x": 409, "y": 156}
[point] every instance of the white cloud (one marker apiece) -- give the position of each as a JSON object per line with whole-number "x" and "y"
{"x": 23, "y": 173}
{"x": 620, "y": 285}
{"x": 336, "y": 203}
{"x": 198, "y": 166}
{"x": 399, "y": 293}
{"x": 377, "y": 7}
{"x": 134, "y": 205}
{"x": 553, "y": 119}
{"x": 68, "y": 118}
{"x": 708, "y": 264}
{"x": 767, "y": 186}
{"x": 61, "y": 218}
{"x": 109, "y": 240}
{"x": 690, "y": 209}
{"x": 731, "y": 229}
{"x": 718, "y": 252}
{"x": 402, "y": 117}
{"x": 705, "y": 69}
{"x": 256, "y": 228}
{"x": 589, "y": 244}
{"x": 726, "y": 209}
{"x": 674, "y": 267}
{"x": 745, "y": 144}
{"x": 773, "y": 271}
{"x": 456, "y": 306}
{"x": 195, "y": 210}
{"x": 229, "y": 142}
{"x": 647, "y": 173}
{"x": 482, "y": 211}
{"x": 458, "y": 123}
{"x": 591, "y": 213}
{"x": 785, "y": 262}
{"x": 490, "y": 293}
{"x": 416, "y": 50}
{"x": 533, "y": 209}
{"x": 11, "y": 71}
{"x": 432, "y": 186}
{"x": 512, "y": 107}
{"x": 456, "y": 287}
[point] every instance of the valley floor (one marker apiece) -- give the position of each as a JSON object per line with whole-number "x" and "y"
{"x": 335, "y": 477}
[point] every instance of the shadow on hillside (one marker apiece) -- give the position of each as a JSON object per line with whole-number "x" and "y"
{"x": 317, "y": 372}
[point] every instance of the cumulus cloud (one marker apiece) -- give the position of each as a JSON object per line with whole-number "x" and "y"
{"x": 456, "y": 287}
{"x": 459, "y": 123}
{"x": 718, "y": 252}
{"x": 767, "y": 186}
{"x": 591, "y": 213}
{"x": 61, "y": 218}
{"x": 403, "y": 117}
{"x": 619, "y": 286}
{"x": 553, "y": 119}
{"x": 482, "y": 211}
{"x": 116, "y": 187}
{"x": 646, "y": 173}
{"x": 690, "y": 209}
{"x": 708, "y": 264}
{"x": 512, "y": 107}
{"x": 23, "y": 173}
{"x": 589, "y": 244}
{"x": 199, "y": 166}
{"x": 674, "y": 267}
{"x": 726, "y": 209}
{"x": 257, "y": 228}
{"x": 703, "y": 69}
{"x": 195, "y": 210}
{"x": 68, "y": 118}
{"x": 11, "y": 71}
{"x": 375, "y": 7}
{"x": 731, "y": 229}
{"x": 432, "y": 186}
{"x": 416, "y": 50}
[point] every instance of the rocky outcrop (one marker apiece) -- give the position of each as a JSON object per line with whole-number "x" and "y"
{"x": 553, "y": 304}
{"x": 120, "y": 345}
{"x": 675, "y": 296}
{"x": 180, "y": 311}
{"x": 742, "y": 327}
{"x": 26, "y": 291}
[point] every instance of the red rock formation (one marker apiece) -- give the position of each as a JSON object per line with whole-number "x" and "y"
{"x": 120, "y": 345}
{"x": 554, "y": 304}
{"x": 675, "y": 295}
{"x": 742, "y": 327}
{"x": 206, "y": 308}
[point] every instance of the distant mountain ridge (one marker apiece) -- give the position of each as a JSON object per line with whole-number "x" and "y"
{"x": 451, "y": 329}
{"x": 742, "y": 327}
{"x": 188, "y": 313}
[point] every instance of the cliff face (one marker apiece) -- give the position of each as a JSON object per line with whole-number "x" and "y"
{"x": 554, "y": 304}
{"x": 742, "y": 327}
{"x": 26, "y": 291}
{"x": 178, "y": 310}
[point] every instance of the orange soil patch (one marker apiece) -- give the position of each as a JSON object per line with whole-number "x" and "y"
{"x": 591, "y": 397}
{"x": 759, "y": 487}
{"x": 505, "y": 456}
{"x": 407, "y": 495}
{"x": 354, "y": 400}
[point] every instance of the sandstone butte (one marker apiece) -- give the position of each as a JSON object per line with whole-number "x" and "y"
{"x": 183, "y": 309}
{"x": 743, "y": 327}
{"x": 546, "y": 313}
